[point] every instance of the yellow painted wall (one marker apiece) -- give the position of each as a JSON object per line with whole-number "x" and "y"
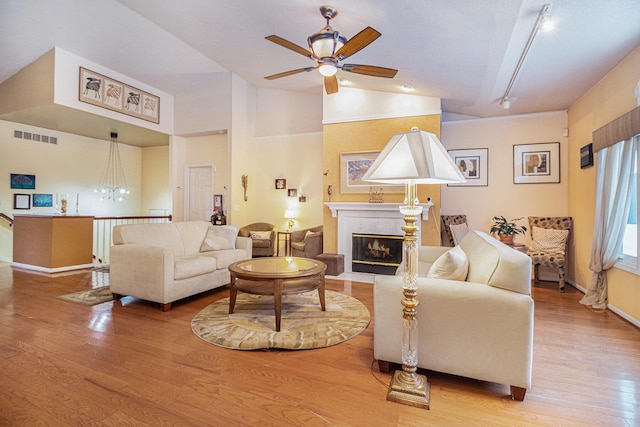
{"x": 610, "y": 98}
{"x": 156, "y": 192}
{"x": 370, "y": 135}
{"x": 296, "y": 158}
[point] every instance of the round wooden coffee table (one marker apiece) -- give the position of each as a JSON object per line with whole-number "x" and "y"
{"x": 276, "y": 276}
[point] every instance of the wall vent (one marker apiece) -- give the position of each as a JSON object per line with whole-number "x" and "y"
{"x": 35, "y": 137}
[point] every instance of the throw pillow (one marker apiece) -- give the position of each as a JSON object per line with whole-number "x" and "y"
{"x": 220, "y": 238}
{"x": 452, "y": 265}
{"x": 309, "y": 234}
{"x": 547, "y": 240}
{"x": 260, "y": 235}
{"x": 458, "y": 231}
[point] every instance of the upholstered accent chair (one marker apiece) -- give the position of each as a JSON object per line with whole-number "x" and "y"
{"x": 447, "y": 234}
{"x": 549, "y": 241}
{"x": 263, "y": 238}
{"x": 307, "y": 243}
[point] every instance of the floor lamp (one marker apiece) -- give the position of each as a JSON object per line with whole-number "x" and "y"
{"x": 410, "y": 158}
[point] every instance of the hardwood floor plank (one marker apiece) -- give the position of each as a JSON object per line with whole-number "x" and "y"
{"x": 132, "y": 364}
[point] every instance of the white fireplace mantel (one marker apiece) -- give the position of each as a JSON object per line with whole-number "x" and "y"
{"x": 370, "y": 218}
{"x": 363, "y": 206}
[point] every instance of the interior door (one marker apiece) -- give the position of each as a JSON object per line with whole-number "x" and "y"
{"x": 199, "y": 197}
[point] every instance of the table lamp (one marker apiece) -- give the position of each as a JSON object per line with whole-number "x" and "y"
{"x": 290, "y": 215}
{"x": 410, "y": 158}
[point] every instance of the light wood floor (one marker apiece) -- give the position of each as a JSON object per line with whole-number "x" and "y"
{"x": 67, "y": 364}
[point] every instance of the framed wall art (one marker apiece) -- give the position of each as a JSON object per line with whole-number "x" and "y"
{"x": 292, "y": 192}
{"x": 21, "y": 201}
{"x": 353, "y": 166}
{"x": 22, "y": 181}
{"x": 536, "y": 163}
{"x": 105, "y": 92}
{"x": 42, "y": 200}
{"x": 473, "y": 163}
{"x": 281, "y": 184}
{"x": 586, "y": 156}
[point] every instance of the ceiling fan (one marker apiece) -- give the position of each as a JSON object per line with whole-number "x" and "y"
{"x": 327, "y": 48}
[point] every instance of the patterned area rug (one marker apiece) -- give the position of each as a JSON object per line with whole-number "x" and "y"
{"x": 90, "y": 297}
{"x": 303, "y": 326}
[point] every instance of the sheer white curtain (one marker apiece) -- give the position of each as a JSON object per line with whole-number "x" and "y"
{"x": 613, "y": 198}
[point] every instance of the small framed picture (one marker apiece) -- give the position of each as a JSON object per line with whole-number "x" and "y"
{"x": 42, "y": 200}
{"x": 292, "y": 192}
{"x": 217, "y": 203}
{"x": 281, "y": 184}
{"x": 302, "y": 198}
{"x": 536, "y": 163}
{"x": 23, "y": 181}
{"x": 586, "y": 156}
{"x": 21, "y": 201}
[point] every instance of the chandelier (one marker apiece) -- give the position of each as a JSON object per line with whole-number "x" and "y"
{"x": 113, "y": 185}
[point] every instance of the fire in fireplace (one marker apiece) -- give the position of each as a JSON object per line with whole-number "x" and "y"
{"x": 376, "y": 253}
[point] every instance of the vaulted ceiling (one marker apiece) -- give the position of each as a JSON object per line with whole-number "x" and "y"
{"x": 462, "y": 51}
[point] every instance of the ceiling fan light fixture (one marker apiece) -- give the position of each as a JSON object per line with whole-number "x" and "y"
{"x": 327, "y": 70}
{"x": 326, "y": 42}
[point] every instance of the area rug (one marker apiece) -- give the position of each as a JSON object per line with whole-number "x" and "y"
{"x": 91, "y": 297}
{"x": 303, "y": 324}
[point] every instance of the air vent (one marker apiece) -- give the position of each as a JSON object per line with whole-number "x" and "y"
{"x": 35, "y": 137}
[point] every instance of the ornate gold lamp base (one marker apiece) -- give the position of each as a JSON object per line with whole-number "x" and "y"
{"x": 409, "y": 389}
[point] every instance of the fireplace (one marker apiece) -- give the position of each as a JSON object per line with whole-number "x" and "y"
{"x": 376, "y": 253}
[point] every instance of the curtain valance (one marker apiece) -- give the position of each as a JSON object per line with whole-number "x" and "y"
{"x": 620, "y": 129}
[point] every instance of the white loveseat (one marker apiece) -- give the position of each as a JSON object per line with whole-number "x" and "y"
{"x": 479, "y": 328}
{"x": 170, "y": 261}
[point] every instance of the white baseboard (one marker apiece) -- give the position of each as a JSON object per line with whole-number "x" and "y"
{"x": 611, "y": 307}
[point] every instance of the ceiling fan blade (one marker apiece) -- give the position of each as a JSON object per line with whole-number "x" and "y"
{"x": 331, "y": 84}
{"x": 356, "y": 43}
{"x": 289, "y": 73}
{"x": 370, "y": 70}
{"x": 289, "y": 45}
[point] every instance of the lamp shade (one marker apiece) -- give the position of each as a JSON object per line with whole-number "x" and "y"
{"x": 290, "y": 214}
{"x": 415, "y": 157}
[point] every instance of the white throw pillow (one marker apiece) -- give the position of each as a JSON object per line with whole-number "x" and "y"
{"x": 458, "y": 231}
{"x": 260, "y": 235}
{"x": 452, "y": 265}
{"x": 547, "y": 240}
{"x": 219, "y": 238}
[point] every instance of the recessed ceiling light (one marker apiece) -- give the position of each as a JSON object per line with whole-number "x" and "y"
{"x": 407, "y": 88}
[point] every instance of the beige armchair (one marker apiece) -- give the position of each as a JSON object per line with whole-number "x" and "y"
{"x": 263, "y": 238}
{"x": 549, "y": 236}
{"x": 307, "y": 243}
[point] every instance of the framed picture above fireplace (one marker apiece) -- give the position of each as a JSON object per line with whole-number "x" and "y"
{"x": 353, "y": 166}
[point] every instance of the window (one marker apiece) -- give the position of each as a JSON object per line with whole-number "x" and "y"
{"x": 628, "y": 259}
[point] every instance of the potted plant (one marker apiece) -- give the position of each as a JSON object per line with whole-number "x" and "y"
{"x": 506, "y": 229}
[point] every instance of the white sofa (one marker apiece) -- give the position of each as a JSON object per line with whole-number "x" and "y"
{"x": 170, "y": 261}
{"x": 479, "y": 328}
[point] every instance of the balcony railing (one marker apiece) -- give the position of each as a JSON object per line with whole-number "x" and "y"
{"x": 103, "y": 232}
{"x": 7, "y": 218}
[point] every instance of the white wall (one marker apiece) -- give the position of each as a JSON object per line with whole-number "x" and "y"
{"x": 502, "y": 196}
{"x": 205, "y": 108}
{"x": 281, "y": 112}
{"x": 67, "y": 74}
{"x": 72, "y": 166}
